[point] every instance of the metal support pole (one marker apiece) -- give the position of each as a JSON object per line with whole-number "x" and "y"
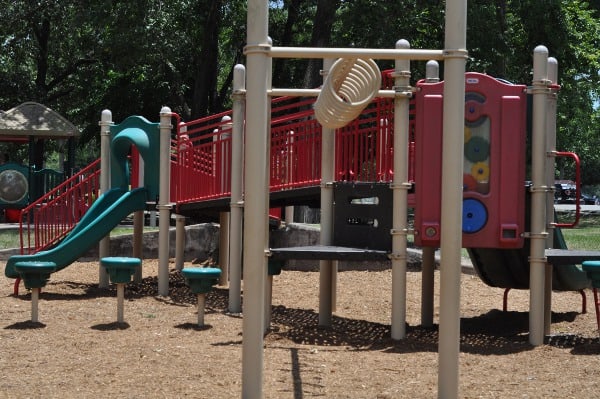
{"x": 539, "y": 190}
{"x": 237, "y": 199}
{"x": 224, "y": 247}
{"x": 120, "y": 302}
{"x": 201, "y": 307}
{"x": 427, "y": 286}
{"x": 256, "y": 183}
{"x": 164, "y": 204}
{"x": 104, "y": 245}
{"x": 400, "y": 187}
{"x": 35, "y": 296}
{"x": 327, "y": 271}
{"x": 550, "y": 165}
{"x": 383, "y": 54}
{"x": 268, "y": 301}
{"x": 138, "y": 242}
{"x": 179, "y": 241}
{"x": 289, "y": 214}
{"x": 451, "y": 216}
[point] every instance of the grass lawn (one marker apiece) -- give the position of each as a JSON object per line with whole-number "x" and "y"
{"x": 10, "y": 238}
{"x": 585, "y": 237}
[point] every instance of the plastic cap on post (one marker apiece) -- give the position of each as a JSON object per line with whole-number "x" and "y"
{"x": 432, "y": 71}
{"x": 402, "y": 44}
{"x": 106, "y": 116}
{"x": 553, "y": 70}
{"x": 402, "y": 64}
{"x": 540, "y": 63}
{"x": 165, "y": 110}
{"x": 239, "y": 77}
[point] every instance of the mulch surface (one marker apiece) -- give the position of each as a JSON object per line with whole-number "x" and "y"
{"x": 78, "y": 350}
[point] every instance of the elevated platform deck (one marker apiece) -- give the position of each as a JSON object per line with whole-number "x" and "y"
{"x": 208, "y": 210}
{"x": 560, "y": 257}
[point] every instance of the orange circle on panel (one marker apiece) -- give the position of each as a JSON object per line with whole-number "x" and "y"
{"x": 469, "y": 182}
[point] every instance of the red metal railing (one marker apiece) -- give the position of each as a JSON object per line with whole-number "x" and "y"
{"x": 47, "y": 220}
{"x": 201, "y": 159}
{"x": 201, "y": 162}
{"x": 295, "y": 159}
{"x": 364, "y": 149}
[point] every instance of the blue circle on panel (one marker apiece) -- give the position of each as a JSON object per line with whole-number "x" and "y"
{"x": 474, "y": 215}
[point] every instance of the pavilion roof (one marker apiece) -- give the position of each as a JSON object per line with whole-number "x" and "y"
{"x": 33, "y": 119}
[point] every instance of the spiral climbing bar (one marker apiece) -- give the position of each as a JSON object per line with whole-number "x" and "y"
{"x": 349, "y": 87}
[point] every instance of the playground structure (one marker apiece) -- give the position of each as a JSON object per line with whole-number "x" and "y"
{"x": 207, "y": 156}
{"x": 470, "y": 199}
{"x": 32, "y": 124}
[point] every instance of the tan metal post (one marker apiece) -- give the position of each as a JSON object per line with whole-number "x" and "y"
{"x": 104, "y": 245}
{"x": 451, "y": 217}
{"x": 550, "y": 154}
{"x": 327, "y": 271}
{"x": 179, "y": 241}
{"x": 138, "y": 242}
{"x": 138, "y": 226}
{"x": 223, "y": 133}
{"x": 164, "y": 203}
{"x": 268, "y": 284}
{"x": 400, "y": 187}
{"x": 256, "y": 183}
{"x": 427, "y": 286}
{"x": 539, "y": 190}
{"x": 35, "y": 296}
{"x": 237, "y": 200}
{"x": 224, "y": 247}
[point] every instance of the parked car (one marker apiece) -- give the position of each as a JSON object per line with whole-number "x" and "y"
{"x": 589, "y": 199}
{"x": 565, "y": 192}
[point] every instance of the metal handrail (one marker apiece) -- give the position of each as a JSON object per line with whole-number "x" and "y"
{"x": 47, "y": 220}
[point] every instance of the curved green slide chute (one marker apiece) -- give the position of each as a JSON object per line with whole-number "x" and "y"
{"x": 103, "y": 216}
{"x": 114, "y": 205}
{"x": 509, "y": 268}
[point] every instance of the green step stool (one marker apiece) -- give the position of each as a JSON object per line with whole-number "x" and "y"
{"x": 120, "y": 269}
{"x": 201, "y": 280}
{"x": 592, "y": 268}
{"x": 35, "y": 275}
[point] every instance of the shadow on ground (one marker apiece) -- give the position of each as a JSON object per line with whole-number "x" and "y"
{"x": 493, "y": 333}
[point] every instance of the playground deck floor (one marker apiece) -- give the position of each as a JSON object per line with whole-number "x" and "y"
{"x": 77, "y": 349}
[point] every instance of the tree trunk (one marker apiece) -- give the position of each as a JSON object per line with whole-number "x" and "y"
{"x": 205, "y": 84}
{"x": 279, "y": 70}
{"x": 321, "y": 37}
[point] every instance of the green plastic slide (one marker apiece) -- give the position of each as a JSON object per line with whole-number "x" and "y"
{"x": 509, "y": 268}
{"x": 104, "y": 215}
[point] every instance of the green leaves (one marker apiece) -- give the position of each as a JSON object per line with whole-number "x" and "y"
{"x": 134, "y": 56}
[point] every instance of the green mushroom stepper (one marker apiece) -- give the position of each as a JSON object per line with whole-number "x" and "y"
{"x": 201, "y": 280}
{"x": 120, "y": 269}
{"x": 35, "y": 275}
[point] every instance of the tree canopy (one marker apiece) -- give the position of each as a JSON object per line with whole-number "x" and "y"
{"x": 134, "y": 56}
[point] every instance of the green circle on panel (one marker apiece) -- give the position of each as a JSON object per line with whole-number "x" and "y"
{"x": 477, "y": 149}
